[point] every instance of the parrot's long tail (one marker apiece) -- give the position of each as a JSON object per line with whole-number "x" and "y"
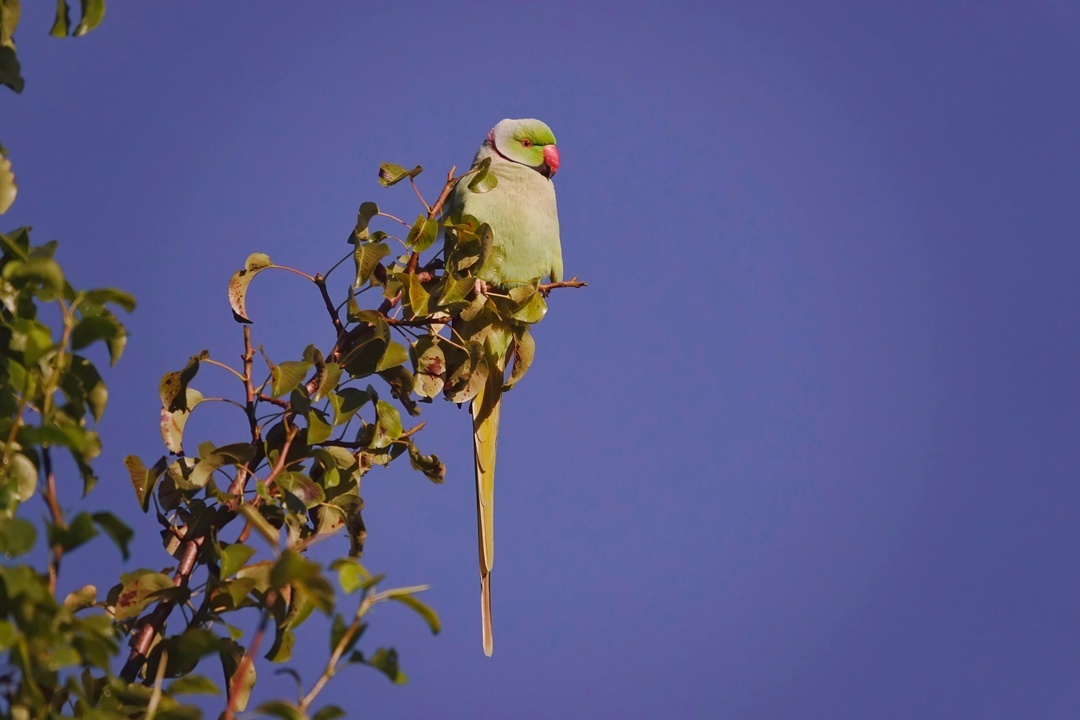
{"x": 485, "y": 434}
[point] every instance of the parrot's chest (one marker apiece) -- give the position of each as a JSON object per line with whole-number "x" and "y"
{"x": 522, "y": 213}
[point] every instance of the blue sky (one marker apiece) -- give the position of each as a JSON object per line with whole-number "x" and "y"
{"x": 808, "y": 444}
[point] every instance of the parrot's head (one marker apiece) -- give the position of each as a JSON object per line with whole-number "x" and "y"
{"x": 528, "y": 142}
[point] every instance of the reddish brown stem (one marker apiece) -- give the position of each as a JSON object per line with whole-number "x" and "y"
{"x": 320, "y": 281}
{"x": 571, "y": 283}
{"x": 248, "y": 659}
{"x": 55, "y": 513}
{"x": 154, "y": 624}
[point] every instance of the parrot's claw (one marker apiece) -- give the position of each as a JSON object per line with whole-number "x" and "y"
{"x": 481, "y": 287}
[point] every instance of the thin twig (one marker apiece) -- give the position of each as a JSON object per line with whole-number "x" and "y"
{"x": 331, "y": 665}
{"x": 223, "y": 366}
{"x": 412, "y": 181}
{"x": 301, "y": 273}
{"x": 355, "y": 445}
{"x": 447, "y": 189}
{"x": 321, "y": 282}
{"x": 275, "y": 401}
{"x": 336, "y": 265}
{"x": 571, "y": 283}
{"x": 290, "y": 435}
{"x": 56, "y": 513}
{"x": 249, "y": 658}
{"x": 394, "y": 218}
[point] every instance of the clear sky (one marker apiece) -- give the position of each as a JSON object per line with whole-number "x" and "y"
{"x": 808, "y": 445}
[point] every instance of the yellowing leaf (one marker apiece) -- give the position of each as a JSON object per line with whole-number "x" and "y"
{"x": 422, "y": 234}
{"x": 238, "y": 285}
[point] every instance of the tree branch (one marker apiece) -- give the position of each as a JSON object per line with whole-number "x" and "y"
{"x": 331, "y": 665}
{"x": 154, "y": 624}
{"x": 249, "y": 658}
{"x": 321, "y": 282}
{"x": 56, "y": 513}
{"x": 571, "y": 283}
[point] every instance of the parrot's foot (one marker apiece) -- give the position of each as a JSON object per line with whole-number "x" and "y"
{"x": 481, "y": 287}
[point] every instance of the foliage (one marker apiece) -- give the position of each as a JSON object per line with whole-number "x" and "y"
{"x": 236, "y": 517}
{"x": 92, "y": 13}
{"x": 315, "y": 426}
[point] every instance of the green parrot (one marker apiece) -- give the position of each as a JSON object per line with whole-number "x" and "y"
{"x": 521, "y": 212}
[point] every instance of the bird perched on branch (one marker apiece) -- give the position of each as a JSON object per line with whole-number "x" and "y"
{"x": 519, "y": 207}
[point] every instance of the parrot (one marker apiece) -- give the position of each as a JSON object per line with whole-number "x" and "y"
{"x": 521, "y": 212}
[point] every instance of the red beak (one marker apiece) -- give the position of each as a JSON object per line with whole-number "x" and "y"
{"x": 551, "y": 159}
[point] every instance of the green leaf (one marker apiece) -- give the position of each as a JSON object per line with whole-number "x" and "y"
{"x": 387, "y": 425}
{"x": 93, "y": 12}
{"x": 232, "y": 656}
{"x": 136, "y": 591}
{"x": 234, "y": 557}
{"x": 524, "y": 351}
{"x": 19, "y": 477}
{"x": 390, "y": 174}
{"x": 260, "y": 523}
{"x": 340, "y": 512}
{"x": 430, "y": 465}
{"x": 337, "y": 633}
{"x": 287, "y": 376}
{"x": 238, "y": 285}
{"x": 421, "y": 609}
{"x": 17, "y": 537}
{"x": 329, "y": 712}
{"x": 8, "y": 188}
{"x": 386, "y": 660}
{"x": 422, "y": 234}
{"x": 352, "y": 576}
{"x": 318, "y": 430}
{"x": 17, "y": 243}
{"x": 429, "y": 362}
{"x": 194, "y": 685}
{"x": 7, "y": 635}
{"x": 83, "y": 384}
{"x": 532, "y": 310}
{"x": 455, "y": 290}
{"x": 474, "y": 308}
{"x": 394, "y": 355}
{"x": 172, "y": 423}
{"x": 78, "y": 532}
{"x": 144, "y": 479}
{"x": 101, "y": 296}
{"x": 36, "y": 272}
{"x": 173, "y": 385}
{"x": 469, "y": 378}
{"x": 367, "y": 211}
{"x": 483, "y": 180}
{"x": 212, "y": 459}
{"x": 282, "y": 648}
{"x": 346, "y": 402}
{"x": 418, "y": 296}
{"x": 120, "y": 533}
{"x": 9, "y": 20}
{"x": 32, "y": 339}
{"x": 302, "y": 487}
{"x": 280, "y": 709}
{"x": 10, "y": 71}
{"x": 328, "y": 380}
{"x": 80, "y": 599}
{"x": 62, "y": 24}
{"x": 292, "y": 567}
{"x": 367, "y": 256}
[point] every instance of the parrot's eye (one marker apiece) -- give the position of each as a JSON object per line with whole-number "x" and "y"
{"x": 526, "y": 143}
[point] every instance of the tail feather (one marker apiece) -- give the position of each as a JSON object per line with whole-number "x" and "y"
{"x": 485, "y": 612}
{"x": 486, "y": 409}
